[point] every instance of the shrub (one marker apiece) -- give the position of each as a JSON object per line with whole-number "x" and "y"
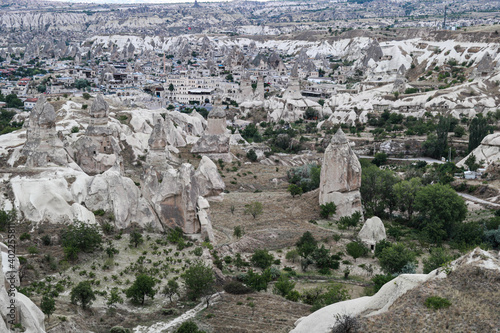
{"x": 24, "y": 236}
{"x": 188, "y": 327}
{"x": 80, "y": 237}
{"x": 82, "y": 294}
{"x": 143, "y": 286}
{"x": 295, "y": 190}
{"x": 251, "y": 155}
{"x": 283, "y": 286}
{"x": 262, "y": 259}
{"x": 379, "y": 280}
{"x": 236, "y": 288}
{"x": 436, "y": 302}
{"x": 394, "y": 258}
{"x": 46, "y": 240}
{"x": 356, "y": 250}
{"x": 254, "y": 209}
{"x": 328, "y": 209}
{"x": 75, "y": 129}
{"x": 438, "y": 258}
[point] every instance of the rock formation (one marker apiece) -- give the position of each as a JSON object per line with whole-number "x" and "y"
{"x": 175, "y": 195}
{"x": 163, "y": 141}
{"x": 23, "y": 311}
{"x": 99, "y": 149}
{"x": 322, "y": 320}
{"x": 42, "y": 146}
{"x": 487, "y": 152}
{"x": 214, "y": 142}
{"x": 373, "y": 231}
{"x": 340, "y": 176}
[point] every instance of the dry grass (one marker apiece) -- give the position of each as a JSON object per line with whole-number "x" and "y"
{"x": 270, "y": 313}
{"x": 474, "y": 294}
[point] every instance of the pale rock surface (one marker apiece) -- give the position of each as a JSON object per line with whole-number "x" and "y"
{"x": 42, "y": 146}
{"x": 46, "y": 197}
{"x": 215, "y": 141}
{"x": 114, "y": 193}
{"x": 174, "y": 194}
{"x": 372, "y": 232}
{"x": 30, "y": 316}
{"x": 340, "y": 178}
{"x": 322, "y": 320}
{"x": 99, "y": 149}
{"x": 488, "y": 151}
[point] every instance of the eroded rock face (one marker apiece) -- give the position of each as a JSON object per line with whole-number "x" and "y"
{"x": 215, "y": 141}
{"x": 340, "y": 176}
{"x": 99, "y": 149}
{"x": 175, "y": 194}
{"x": 42, "y": 146}
{"x": 119, "y": 195}
{"x": 25, "y": 312}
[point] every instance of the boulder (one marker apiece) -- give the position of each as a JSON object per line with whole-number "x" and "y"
{"x": 340, "y": 177}
{"x": 373, "y": 231}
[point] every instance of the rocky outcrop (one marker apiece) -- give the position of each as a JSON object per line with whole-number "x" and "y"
{"x": 98, "y": 149}
{"x": 42, "y": 146}
{"x": 340, "y": 178}
{"x": 215, "y": 141}
{"x": 16, "y": 308}
{"x": 488, "y": 152}
{"x": 120, "y": 196}
{"x": 175, "y": 194}
{"x": 325, "y": 318}
{"x": 373, "y": 231}
{"x": 163, "y": 141}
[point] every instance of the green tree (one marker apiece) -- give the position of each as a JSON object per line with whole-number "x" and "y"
{"x": 171, "y": 289}
{"x": 327, "y": 209}
{"x": 349, "y": 221}
{"x": 379, "y": 159}
{"x": 171, "y": 87}
{"x": 306, "y": 244}
{"x": 238, "y": 231}
{"x": 292, "y": 255}
{"x": 114, "y": 297}
{"x": 377, "y": 191}
{"x": 48, "y": 305}
{"x": 199, "y": 280}
{"x": 262, "y": 259}
{"x": 41, "y": 88}
{"x": 283, "y": 286}
{"x": 257, "y": 281}
{"x": 394, "y": 258}
{"x": 295, "y": 190}
{"x": 86, "y": 96}
{"x": 478, "y": 129}
{"x": 136, "y": 238}
{"x": 81, "y": 237}
{"x": 189, "y": 327}
{"x": 356, "y": 250}
{"x": 82, "y": 294}
{"x": 438, "y": 258}
{"x": 13, "y": 101}
{"x": 229, "y": 77}
{"x": 459, "y": 131}
{"x": 440, "y": 210}
{"x": 252, "y": 155}
{"x": 406, "y": 193}
{"x": 470, "y": 162}
{"x": 143, "y": 286}
{"x": 254, "y": 209}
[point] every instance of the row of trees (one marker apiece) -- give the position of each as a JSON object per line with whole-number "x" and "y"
{"x": 435, "y": 209}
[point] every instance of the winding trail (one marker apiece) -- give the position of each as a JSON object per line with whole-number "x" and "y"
{"x": 161, "y": 326}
